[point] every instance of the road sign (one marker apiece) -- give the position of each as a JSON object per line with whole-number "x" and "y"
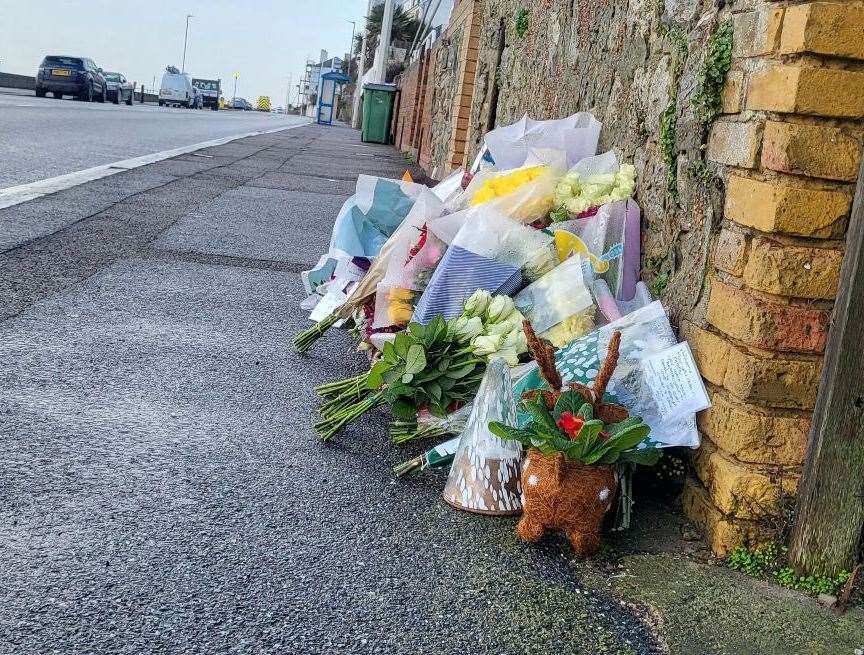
{"x": 263, "y": 103}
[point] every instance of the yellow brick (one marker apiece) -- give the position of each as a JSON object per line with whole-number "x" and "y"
{"x": 795, "y": 271}
{"x": 808, "y": 90}
{"x": 711, "y": 352}
{"x": 818, "y": 151}
{"x": 753, "y": 376}
{"x": 721, "y": 532}
{"x": 755, "y": 435}
{"x": 735, "y": 143}
{"x": 768, "y": 26}
{"x": 778, "y": 207}
{"x": 767, "y": 379}
{"x": 731, "y": 95}
{"x": 739, "y": 490}
{"x": 766, "y": 325}
{"x": 730, "y": 252}
{"x": 824, "y": 28}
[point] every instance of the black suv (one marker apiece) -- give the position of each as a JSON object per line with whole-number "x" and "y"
{"x": 71, "y": 76}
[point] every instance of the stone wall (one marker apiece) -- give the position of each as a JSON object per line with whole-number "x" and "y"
{"x": 453, "y": 62}
{"x": 745, "y": 189}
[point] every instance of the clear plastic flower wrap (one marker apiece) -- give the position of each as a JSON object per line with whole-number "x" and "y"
{"x": 411, "y": 263}
{"x": 372, "y": 214}
{"x": 525, "y": 194}
{"x": 488, "y": 252}
{"x": 559, "y": 305}
{"x": 611, "y": 235}
{"x": 593, "y": 182}
{"x": 510, "y": 146}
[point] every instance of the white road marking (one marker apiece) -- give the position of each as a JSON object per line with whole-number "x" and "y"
{"x": 15, "y": 195}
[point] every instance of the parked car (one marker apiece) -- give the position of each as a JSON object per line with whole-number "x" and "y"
{"x": 71, "y": 76}
{"x": 241, "y": 103}
{"x": 209, "y": 92}
{"x": 119, "y": 88}
{"x": 177, "y": 89}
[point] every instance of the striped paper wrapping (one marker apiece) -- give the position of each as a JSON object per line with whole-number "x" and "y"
{"x": 460, "y": 273}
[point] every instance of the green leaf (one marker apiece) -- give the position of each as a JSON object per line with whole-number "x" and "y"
{"x": 391, "y": 375}
{"x": 434, "y": 390}
{"x": 508, "y": 432}
{"x": 585, "y": 410}
{"x": 403, "y": 409}
{"x": 406, "y": 379}
{"x": 389, "y": 353}
{"x": 617, "y": 428}
{"x": 417, "y": 330}
{"x": 569, "y": 401}
{"x": 630, "y": 438}
{"x": 461, "y": 372}
{"x": 644, "y": 456}
{"x": 540, "y": 415}
{"x": 375, "y": 379}
{"x": 401, "y": 344}
{"x": 415, "y": 361}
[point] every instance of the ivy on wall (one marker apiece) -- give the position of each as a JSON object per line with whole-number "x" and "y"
{"x": 522, "y": 22}
{"x": 707, "y": 102}
{"x": 669, "y": 116}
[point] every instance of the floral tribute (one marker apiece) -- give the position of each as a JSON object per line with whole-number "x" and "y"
{"x": 574, "y": 437}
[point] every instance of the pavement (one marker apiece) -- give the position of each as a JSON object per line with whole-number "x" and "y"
{"x": 45, "y": 137}
{"x": 163, "y": 491}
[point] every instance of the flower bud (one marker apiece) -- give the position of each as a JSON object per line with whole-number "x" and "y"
{"x": 499, "y": 309}
{"x": 478, "y": 302}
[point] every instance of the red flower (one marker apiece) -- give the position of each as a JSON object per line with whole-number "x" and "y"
{"x": 572, "y": 425}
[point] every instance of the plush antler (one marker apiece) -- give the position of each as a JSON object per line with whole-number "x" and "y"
{"x": 608, "y": 367}
{"x": 543, "y": 353}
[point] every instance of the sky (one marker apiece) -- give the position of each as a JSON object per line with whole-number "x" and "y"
{"x": 266, "y": 41}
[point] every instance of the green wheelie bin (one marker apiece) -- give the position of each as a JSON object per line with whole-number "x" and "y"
{"x": 377, "y": 112}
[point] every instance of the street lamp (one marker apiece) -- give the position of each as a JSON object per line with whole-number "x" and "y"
{"x": 185, "y": 39}
{"x": 236, "y": 75}
{"x": 351, "y": 47}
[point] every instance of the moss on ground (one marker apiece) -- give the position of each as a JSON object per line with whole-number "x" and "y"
{"x": 709, "y": 609}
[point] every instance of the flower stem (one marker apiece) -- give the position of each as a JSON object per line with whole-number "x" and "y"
{"x": 329, "y": 427}
{"x": 304, "y": 340}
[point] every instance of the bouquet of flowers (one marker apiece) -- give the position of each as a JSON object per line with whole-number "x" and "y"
{"x": 559, "y": 305}
{"x": 655, "y": 375}
{"x": 410, "y": 265}
{"x": 426, "y": 367}
{"x": 591, "y": 183}
{"x": 488, "y": 252}
{"x": 576, "y": 136}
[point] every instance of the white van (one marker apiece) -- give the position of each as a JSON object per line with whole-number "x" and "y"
{"x": 177, "y": 89}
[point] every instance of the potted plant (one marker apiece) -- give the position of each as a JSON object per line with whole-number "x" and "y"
{"x": 574, "y": 439}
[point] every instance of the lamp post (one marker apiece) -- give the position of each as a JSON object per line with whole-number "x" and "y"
{"x": 185, "y": 39}
{"x": 236, "y": 75}
{"x": 351, "y": 47}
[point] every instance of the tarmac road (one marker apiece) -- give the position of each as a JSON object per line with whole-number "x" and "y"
{"x": 43, "y": 137}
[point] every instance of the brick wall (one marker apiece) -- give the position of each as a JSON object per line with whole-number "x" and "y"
{"x": 452, "y": 67}
{"x": 412, "y": 84}
{"x": 791, "y": 147}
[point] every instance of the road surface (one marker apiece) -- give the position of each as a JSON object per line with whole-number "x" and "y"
{"x": 42, "y": 137}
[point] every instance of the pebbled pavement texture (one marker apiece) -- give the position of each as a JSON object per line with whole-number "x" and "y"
{"x": 162, "y": 489}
